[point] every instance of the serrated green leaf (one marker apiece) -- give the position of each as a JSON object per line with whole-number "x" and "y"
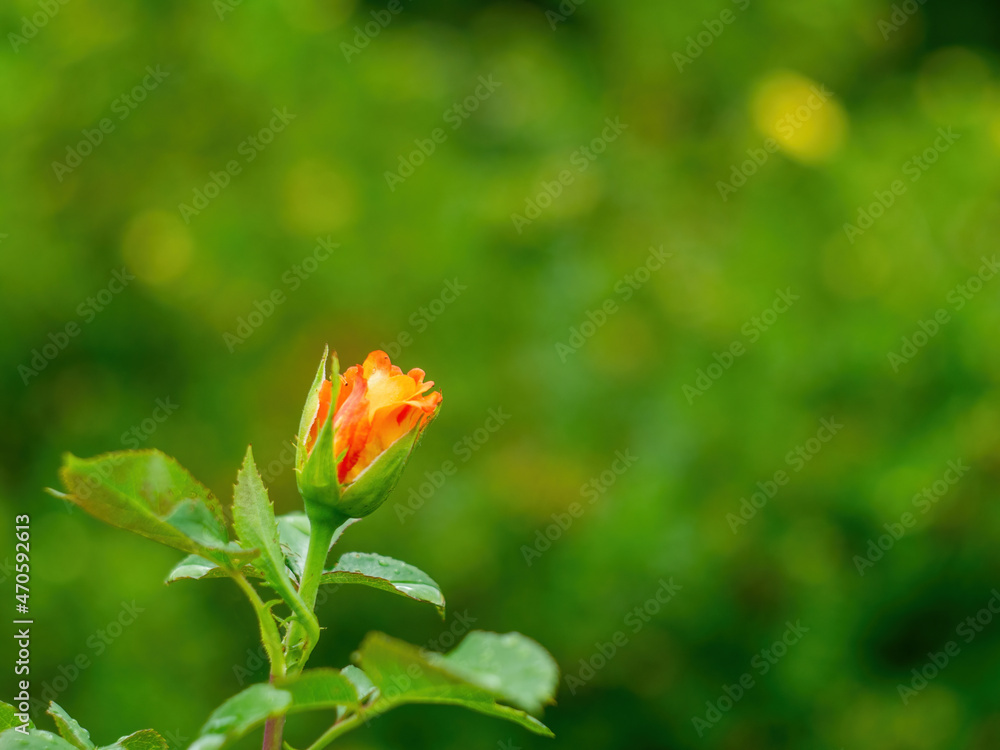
{"x": 364, "y": 687}
{"x": 149, "y": 493}
{"x": 293, "y": 532}
{"x": 511, "y": 666}
{"x": 386, "y": 574}
{"x": 253, "y": 519}
{"x": 240, "y": 714}
{"x": 195, "y": 567}
{"x": 7, "y": 720}
{"x": 8, "y": 717}
{"x": 405, "y": 674}
{"x": 193, "y": 519}
{"x": 69, "y": 728}
{"x": 144, "y": 739}
{"x": 316, "y": 689}
{"x": 34, "y": 739}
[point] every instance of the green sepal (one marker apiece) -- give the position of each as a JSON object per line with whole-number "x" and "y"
{"x": 372, "y": 487}
{"x": 311, "y": 408}
{"x": 316, "y": 469}
{"x": 317, "y": 481}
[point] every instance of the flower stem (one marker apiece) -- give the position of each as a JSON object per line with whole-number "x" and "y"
{"x": 319, "y": 547}
{"x": 298, "y": 640}
{"x": 268, "y": 629}
{"x": 273, "y": 730}
{"x": 340, "y": 727}
{"x": 272, "y": 644}
{"x": 321, "y": 533}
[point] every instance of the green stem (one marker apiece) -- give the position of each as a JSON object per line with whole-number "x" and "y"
{"x": 273, "y": 730}
{"x": 298, "y": 640}
{"x": 319, "y": 548}
{"x": 268, "y": 629}
{"x": 341, "y": 727}
{"x": 274, "y": 727}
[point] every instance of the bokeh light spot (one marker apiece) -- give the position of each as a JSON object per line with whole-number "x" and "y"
{"x": 801, "y": 115}
{"x": 317, "y": 199}
{"x": 953, "y": 86}
{"x": 157, "y": 247}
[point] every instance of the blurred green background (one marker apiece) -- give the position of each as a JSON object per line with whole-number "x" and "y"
{"x": 352, "y": 114}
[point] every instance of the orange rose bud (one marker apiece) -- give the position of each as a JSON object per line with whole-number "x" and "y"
{"x": 350, "y": 456}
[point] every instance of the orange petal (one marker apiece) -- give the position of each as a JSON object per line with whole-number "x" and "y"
{"x": 377, "y": 405}
{"x": 352, "y": 423}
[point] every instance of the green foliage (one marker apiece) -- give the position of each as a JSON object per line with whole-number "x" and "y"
{"x": 316, "y": 689}
{"x": 71, "y": 734}
{"x": 511, "y": 666}
{"x": 253, "y": 519}
{"x": 363, "y": 685}
{"x": 34, "y": 739}
{"x": 406, "y": 674}
{"x": 294, "y": 531}
{"x": 69, "y": 728}
{"x": 364, "y": 568}
{"x": 196, "y": 567}
{"x": 477, "y": 673}
{"x": 8, "y": 717}
{"x": 564, "y": 68}
{"x": 149, "y": 493}
{"x": 386, "y": 574}
{"x": 241, "y": 713}
{"x": 144, "y": 739}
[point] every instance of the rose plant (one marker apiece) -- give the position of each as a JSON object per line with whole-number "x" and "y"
{"x": 355, "y": 437}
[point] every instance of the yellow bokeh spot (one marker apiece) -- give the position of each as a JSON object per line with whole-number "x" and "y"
{"x": 800, "y": 114}
{"x": 157, "y": 247}
{"x": 318, "y": 199}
